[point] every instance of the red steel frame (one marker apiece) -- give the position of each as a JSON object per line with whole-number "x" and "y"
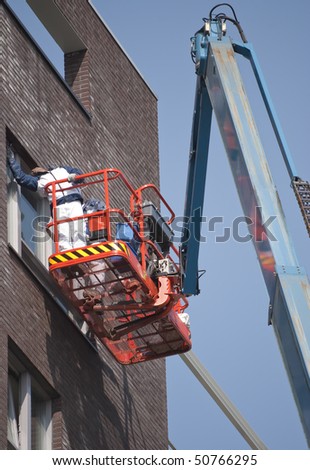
{"x": 136, "y": 324}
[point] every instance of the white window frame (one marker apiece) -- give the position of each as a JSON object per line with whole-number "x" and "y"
{"x": 12, "y": 426}
{"x": 25, "y": 411}
{"x": 43, "y": 250}
{"x": 19, "y": 430}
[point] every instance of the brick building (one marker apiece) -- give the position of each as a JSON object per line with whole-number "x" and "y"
{"x": 58, "y": 389}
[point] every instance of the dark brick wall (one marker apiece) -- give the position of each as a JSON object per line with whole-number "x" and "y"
{"x": 102, "y": 405}
{"x": 77, "y": 75}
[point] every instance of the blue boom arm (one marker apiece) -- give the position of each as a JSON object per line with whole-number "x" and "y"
{"x": 220, "y": 89}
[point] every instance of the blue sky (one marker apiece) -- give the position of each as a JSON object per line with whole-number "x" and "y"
{"x": 229, "y": 318}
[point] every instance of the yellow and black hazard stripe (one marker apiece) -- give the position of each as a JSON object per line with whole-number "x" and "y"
{"x": 82, "y": 253}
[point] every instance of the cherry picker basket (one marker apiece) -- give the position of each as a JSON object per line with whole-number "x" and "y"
{"x": 126, "y": 284}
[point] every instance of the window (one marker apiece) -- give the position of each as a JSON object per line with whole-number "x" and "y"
{"x": 41, "y": 415}
{"x": 29, "y": 420}
{"x": 45, "y": 40}
{"x": 59, "y": 42}
{"x": 13, "y": 406}
{"x": 28, "y": 215}
{"x": 29, "y": 212}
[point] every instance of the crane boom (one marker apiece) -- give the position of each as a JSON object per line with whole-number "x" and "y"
{"x": 220, "y": 89}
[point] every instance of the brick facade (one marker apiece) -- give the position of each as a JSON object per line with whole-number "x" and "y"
{"x": 100, "y": 404}
{"x": 77, "y": 75}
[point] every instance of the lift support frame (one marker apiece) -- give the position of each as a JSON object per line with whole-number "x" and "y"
{"x": 220, "y": 89}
